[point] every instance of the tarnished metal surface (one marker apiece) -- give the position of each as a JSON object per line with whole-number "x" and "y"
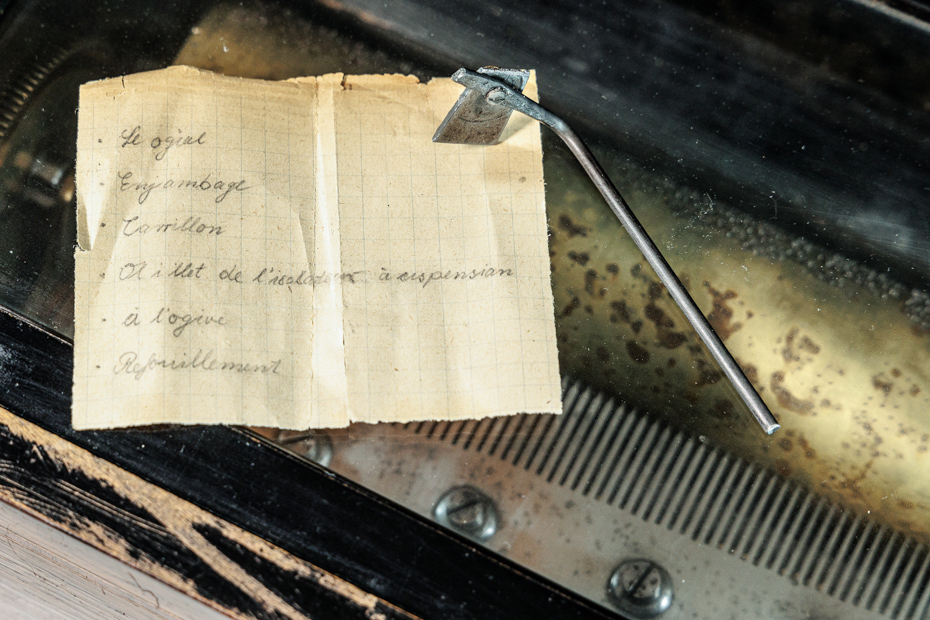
{"x": 474, "y": 120}
{"x": 497, "y": 92}
{"x": 842, "y": 364}
{"x": 578, "y": 494}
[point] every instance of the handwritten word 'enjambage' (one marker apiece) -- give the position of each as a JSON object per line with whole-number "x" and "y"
{"x": 129, "y": 364}
{"x": 439, "y": 275}
{"x": 160, "y": 145}
{"x": 222, "y": 188}
{"x": 192, "y": 225}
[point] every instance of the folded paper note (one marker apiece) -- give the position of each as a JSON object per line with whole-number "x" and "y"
{"x": 300, "y": 254}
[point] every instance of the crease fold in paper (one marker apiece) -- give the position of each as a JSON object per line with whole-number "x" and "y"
{"x": 329, "y": 352}
{"x": 300, "y": 254}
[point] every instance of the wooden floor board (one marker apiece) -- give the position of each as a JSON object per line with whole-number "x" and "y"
{"x": 46, "y": 573}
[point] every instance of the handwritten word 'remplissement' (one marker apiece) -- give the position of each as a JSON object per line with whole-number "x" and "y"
{"x": 222, "y": 188}
{"x": 439, "y": 275}
{"x": 129, "y": 364}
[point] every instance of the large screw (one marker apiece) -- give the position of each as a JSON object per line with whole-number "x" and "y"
{"x": 467, "y": 510}
{"x": 314, "y": 446}
{"x": 640, "y": 588}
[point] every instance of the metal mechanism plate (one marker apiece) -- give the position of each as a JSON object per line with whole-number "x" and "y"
{"x": 577, "y": 494}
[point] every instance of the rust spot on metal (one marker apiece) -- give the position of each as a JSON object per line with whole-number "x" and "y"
{"x": 721, "y": 316}
{"x": 657, "y": 315}
{"x": 785, "y": 398}
{"x": 808, "y": 451}
{"x": 895, "y": 373}
{"x": 572, "y": 305}
{"x": 883, "y": 383}
{"x": 590, "y": 277}
{"x": 809, "y": 345}
{"x": 573, "y": 230}
{"x": 581, "y": 258}
{"x": 751, "y": 372}
{"x": 709, "y": 377}
{"x": 794, "y": 346}
{"x": 787, "y": 352}
{"x": 664, "y": 325}
{"x": 622, "y": 312}
{"x": 637, "y": 353}
{"x": 655, "y": 291}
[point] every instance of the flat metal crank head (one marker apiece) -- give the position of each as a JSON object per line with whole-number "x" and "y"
{"x": 476, "y": 120}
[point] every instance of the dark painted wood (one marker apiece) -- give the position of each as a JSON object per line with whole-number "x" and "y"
{"x": 173, "y": 540}
{"x": 723, "y": 109}
{"x": 312, "y": 513}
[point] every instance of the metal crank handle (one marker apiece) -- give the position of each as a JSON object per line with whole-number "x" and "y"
{"x": 499, "y": 93}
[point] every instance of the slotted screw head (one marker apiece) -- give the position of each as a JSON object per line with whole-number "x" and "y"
{"x": 467, "y": 510}
{"x": 640, "y": 588}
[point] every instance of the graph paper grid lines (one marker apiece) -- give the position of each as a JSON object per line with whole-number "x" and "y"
{"x": 300, "y": 254}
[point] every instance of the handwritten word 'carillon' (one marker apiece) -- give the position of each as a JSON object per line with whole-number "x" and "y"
{"x": 192, "y": 225}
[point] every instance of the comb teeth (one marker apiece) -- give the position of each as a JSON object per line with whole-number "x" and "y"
{"x": 615, "y": 455}
{"x": 474, "y": 120}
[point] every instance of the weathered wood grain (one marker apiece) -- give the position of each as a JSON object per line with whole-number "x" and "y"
{"x": 297, "y": 506}
{"x": 47, "y": 574}
{"x": 164, "y": 536}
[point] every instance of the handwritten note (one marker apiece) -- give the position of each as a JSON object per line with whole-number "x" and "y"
{"x": 300, "y": 254}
